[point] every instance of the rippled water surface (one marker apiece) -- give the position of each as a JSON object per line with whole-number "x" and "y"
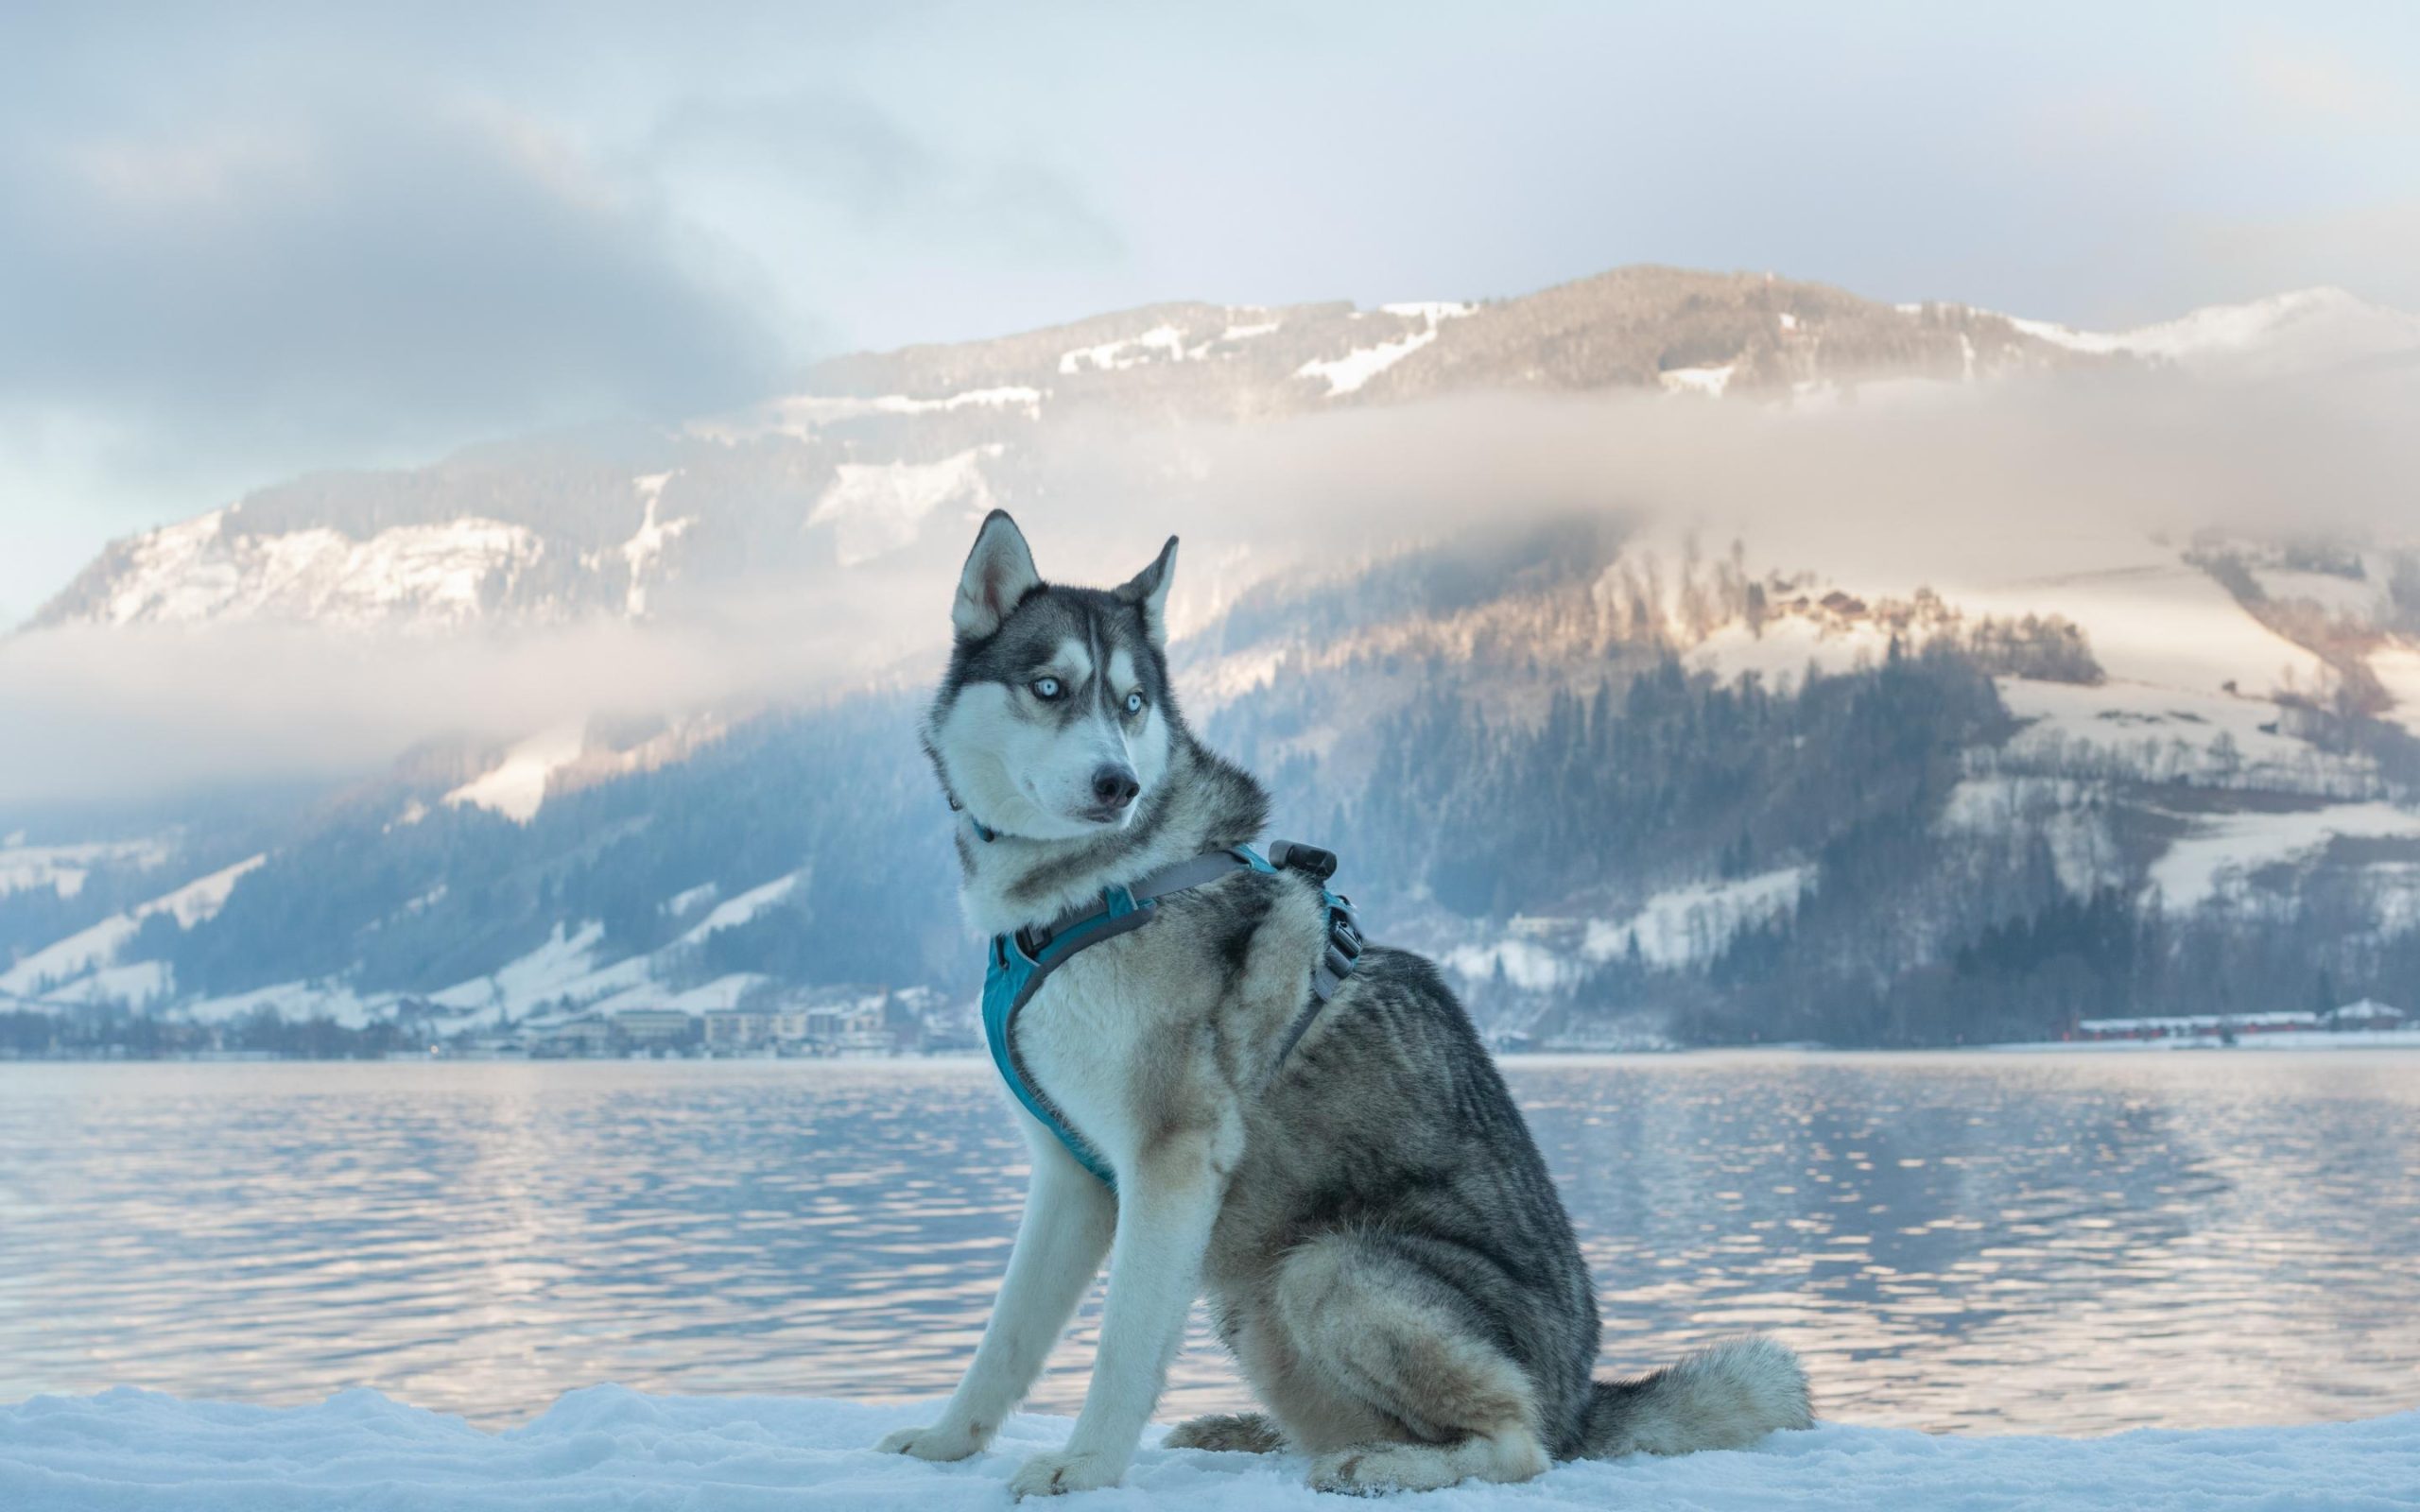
{"x": 2065, "y": 1243}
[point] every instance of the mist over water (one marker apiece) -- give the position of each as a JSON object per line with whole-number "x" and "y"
{"x": 2073, "y": 1243}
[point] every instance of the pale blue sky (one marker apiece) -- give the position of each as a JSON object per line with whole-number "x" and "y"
{"x": 240, "y": 241}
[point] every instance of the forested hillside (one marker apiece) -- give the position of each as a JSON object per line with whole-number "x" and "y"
{"x": 1607, "y": 843}
{"x": 1678, "y": 657}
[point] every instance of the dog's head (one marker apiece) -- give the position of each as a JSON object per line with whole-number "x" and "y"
{"x": 1055, "y": 721}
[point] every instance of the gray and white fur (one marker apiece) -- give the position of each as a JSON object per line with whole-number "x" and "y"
{"x": 1371, "y": 1221}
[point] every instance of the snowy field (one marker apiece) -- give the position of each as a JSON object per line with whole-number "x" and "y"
{"x": 607, "y": 1447}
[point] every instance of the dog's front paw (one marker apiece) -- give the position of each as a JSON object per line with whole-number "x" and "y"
{"x": 1065, "y": 1470}
{"x": 946, "y": 1442}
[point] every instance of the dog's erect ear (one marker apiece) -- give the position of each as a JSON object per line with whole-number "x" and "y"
{"x": 999, "y": 571}
{"x": 1149, "y": 587}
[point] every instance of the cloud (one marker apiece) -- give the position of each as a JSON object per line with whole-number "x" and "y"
{"x": 874, "y": 177}
{"x": 1989, "y": 495}
{"x": 2306, "y": 83}
{"x": 1982, "y": 490}
{"x": 2373, "y": 250}
{"x": 120, "y": 714}
{"x": 342, "y": 276}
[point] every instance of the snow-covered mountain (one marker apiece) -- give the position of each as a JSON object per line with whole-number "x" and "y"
{"x": 1629, "y": 780}
{"x": 851, "y": 468}
{"x": 2302, "y": 332}
{"x": 1626, "y": 790}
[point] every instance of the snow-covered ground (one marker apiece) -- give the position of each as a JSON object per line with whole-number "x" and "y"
{"x": 1112, "y": 355}
{"x": 209, "y": 570}
{"x": 568, "y": 968}
{"x": 1682, "y": 925}
{"x": 606, "y": 1447}
{"x": 2164, "y": 733}
{"x": 2058, "y": 809}
{"x": 2222, "y": 846}
{"x": 516, "y": 787}
{"x": 1710, "y": 382}
{"x": 2397, "y": 669}
{"x": 645, "y": 549}
{"x": 876, "y": 508}
{"x": 1348, "y": 373}
{"x": 1781, "y": 650}
{"x": 2300, "y": 331}
{"x": 64, "y": 867}
{"x": 804, "y": 412}
{"x": 94, "y": 947}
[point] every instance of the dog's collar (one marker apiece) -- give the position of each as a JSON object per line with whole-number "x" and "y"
{"x": 982, "y": 831}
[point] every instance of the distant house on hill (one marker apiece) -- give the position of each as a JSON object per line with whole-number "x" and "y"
{"x": 2369, "y": 1013}
{"x": 588, "y": 1034}
{"x": 653, "y": 1028}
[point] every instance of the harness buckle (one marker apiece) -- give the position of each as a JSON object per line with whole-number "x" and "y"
{"x": 1033, "y": 940}
{"x": 1312, "y": 862}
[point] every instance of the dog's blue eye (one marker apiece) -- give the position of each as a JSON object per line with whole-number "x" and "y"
{"x": 1045, "y": 687}
{"x": 1134, "y": 703}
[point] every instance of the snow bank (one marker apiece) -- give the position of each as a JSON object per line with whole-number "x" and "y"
{"x": 90, "y": 949}
{"x": 516, "y": 787}
{"x": 647, "y": 543}
{"x": 291, "y": 1001}
{"x": 1781, "y": 650}
{"x": 2397, "y": 669}
{"x": 609, "y": 1447}
{"x": 2297, "y": 331}
{"x": 1112, "y": 355}
{"x": 64, "y": 867}
{"x": 1686, "y": 924}
{"x": 1348, "y": 373}
{"x": 2199, "y": 865}
{"x": 209, "y": 569}
{"x": 1710, "y": 382}
{"x": 876, "y": 507}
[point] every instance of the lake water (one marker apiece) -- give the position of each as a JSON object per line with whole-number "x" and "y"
{"x": 2071, "y": 1243}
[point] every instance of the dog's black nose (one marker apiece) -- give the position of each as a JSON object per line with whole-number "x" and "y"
{"x": 1115, "y": 786}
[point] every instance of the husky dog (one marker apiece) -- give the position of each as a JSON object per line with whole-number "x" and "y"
{"x": 1381, "y": 1245}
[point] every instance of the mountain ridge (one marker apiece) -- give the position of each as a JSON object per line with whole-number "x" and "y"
{"x": 1631, "y": 783}
{"x": 550, "y": 529}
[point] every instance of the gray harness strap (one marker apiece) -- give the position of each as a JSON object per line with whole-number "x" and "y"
{"x": 1177, "y": 876}
{"x": 1340, "y": 951}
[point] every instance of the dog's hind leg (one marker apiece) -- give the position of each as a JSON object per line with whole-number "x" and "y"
{"x": 1419, "y": 1396}
{"x": 1244, "y": 1432}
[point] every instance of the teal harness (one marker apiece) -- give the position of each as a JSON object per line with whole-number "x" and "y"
{"x": 1016, "y": 965}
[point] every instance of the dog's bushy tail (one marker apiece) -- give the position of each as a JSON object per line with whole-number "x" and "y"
{"x": 1725, "y": 1396}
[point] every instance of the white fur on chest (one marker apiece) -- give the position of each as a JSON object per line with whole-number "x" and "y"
{"x": 1083, "y": 1037}
{"x": 984, "y": 894}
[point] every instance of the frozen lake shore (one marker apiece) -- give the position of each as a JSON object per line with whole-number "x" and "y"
{"x": 129, "y": 1451}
